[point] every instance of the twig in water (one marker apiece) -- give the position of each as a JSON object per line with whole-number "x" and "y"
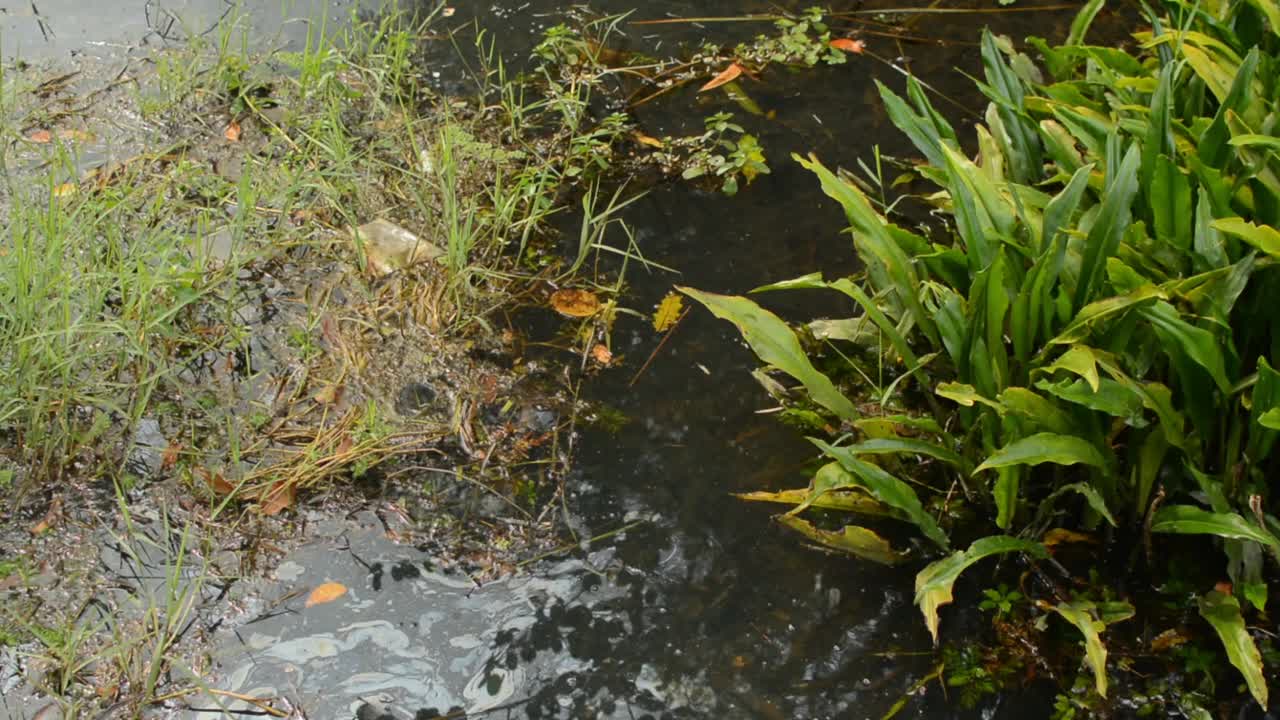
{"x": 569, "y": 546}
{"x": 654, "y": 354}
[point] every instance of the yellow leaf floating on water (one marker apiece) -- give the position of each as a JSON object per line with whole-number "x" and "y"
{"x": 668, "y": 312}
{"x": 327, "y": 592}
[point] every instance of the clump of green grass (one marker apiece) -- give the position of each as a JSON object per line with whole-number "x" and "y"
{"x": 112, "y": 291}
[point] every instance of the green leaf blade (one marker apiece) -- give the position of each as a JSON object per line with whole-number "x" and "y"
{"x": 1045, "y": 447}
{"x": 776, "y": 344}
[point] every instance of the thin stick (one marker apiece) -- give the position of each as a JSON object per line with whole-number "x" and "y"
{"x": 654, "y": 354}
{"x": 952, "y": 11}
{"x": 712, "y": 19}
{"x": 569, "y": 546}
{"x": 261, "y": 703}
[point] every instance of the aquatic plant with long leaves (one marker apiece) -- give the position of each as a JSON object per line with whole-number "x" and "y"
{"x": 1090, "y": 337}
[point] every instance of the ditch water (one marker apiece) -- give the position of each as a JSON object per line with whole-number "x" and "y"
{"x": 702, "y": 608}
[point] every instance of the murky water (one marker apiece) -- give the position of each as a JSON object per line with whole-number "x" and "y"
{"x": 703, "y": 609}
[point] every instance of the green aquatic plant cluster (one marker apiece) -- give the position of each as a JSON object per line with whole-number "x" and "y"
{"x": 1089, "y": 341}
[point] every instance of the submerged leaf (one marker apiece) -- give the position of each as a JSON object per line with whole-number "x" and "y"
{"x": 775, "y": 343}
{"x": 933, "y": 584}
{"x": 1223, "y": 613}
{"x": 854, "y": 540}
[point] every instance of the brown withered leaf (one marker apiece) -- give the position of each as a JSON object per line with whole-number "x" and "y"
{"x": 169, "y": 457}
{"x": 325, "y": 593}
{"x": 232, "y": 132}
{"x": 276, "y": 499}
{"x": 1168, "y": 639}
{"x": 848, "y": 45}
{"x": 575, "y": 303}
{"x": 216, "y": 482}
{"x": 727, "y": 75}
{"x": 50, "y": 517}
{"x": 344, "y": 445}
{"x": 330, "y": 394}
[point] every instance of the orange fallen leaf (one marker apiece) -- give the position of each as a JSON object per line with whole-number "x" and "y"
{"x": 216, "y": 482}
{"x": 602, "y": 354}
{"x": 727, "y": 75}
{"x": 328, "y": 592}
{"x": 232, "y": 133}
{"x": 848, "y": 45}
{"x": 575, "y": 303}
{"x": 276, "y": 499}
{"x": 40, "y": 136}
{"x": 50, "y": 517}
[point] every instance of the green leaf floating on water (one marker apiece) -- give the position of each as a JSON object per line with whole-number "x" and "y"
{"x": 933, "y": 584}
{"x": 1191, "y": 520}
{"x": 1042, "y": 448}
{"x": 1088, "y": 618}
{"x": 854, "y": 540}
{"x": 776, "y": 344}
{"x": 1223, "y": 613}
